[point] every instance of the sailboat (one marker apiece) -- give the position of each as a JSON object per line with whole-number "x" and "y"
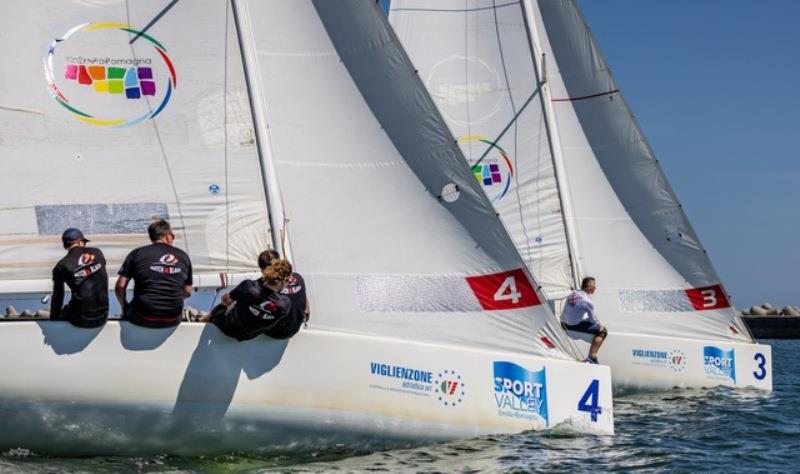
{"x": 248, "y": 124}
{"x": 530, "y": 99}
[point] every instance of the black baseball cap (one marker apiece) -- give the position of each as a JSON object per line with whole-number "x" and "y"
{"x": 72, "y": 235}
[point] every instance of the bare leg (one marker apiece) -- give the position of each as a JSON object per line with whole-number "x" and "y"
{"x": 597, "y": 342}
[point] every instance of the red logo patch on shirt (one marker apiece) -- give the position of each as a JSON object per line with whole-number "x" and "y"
{"x": 506, "y": 290}
{"x": 85, "y": 259}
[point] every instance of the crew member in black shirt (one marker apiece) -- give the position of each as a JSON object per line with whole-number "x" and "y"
{"x": 163, "y": 279}
{"x": 83, "y": 269}
{"x": 259, "y": 307}
{"x": 296, "y": 291}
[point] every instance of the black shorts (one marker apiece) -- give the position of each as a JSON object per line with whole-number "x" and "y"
{"x": 587, "y": 327}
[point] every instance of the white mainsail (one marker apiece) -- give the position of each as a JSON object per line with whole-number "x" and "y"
{"x": 79, "y": 147}
{"x": 425, "y": 325}
{"x": 476, "y": 61}
{"x": 481, "y": 59}
{"x": 328, "y": 87}
{"x": 656, "y": 278}
{"x": 586, "y": 196}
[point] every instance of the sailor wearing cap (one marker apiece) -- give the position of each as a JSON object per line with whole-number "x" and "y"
{"x": 83, "y": 270}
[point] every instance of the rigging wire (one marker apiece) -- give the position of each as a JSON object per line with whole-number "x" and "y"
{"x": 225, "y": 142}
{"x": 529, "y": 261}
{"x": 158, "y": 133}
{"x": 466, "y": 78}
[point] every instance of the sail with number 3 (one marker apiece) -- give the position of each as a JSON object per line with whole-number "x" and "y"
{"x": 530, "y": 99}
{"x": 296, "y": 125}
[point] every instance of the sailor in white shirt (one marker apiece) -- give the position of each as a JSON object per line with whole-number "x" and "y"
{"x": 579, "y": 315}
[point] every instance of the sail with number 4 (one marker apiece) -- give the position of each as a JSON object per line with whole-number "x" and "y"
{"x": 304, "y": 118}
{"x": 532, "y": 102}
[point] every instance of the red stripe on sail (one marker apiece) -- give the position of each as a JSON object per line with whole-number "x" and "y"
{"x": 505, "y": 290}
{"x": 708, "y": 297}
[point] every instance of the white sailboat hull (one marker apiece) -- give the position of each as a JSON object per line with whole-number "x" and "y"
{"x": 643, "y": 362}
{"x": 192, "y": 390}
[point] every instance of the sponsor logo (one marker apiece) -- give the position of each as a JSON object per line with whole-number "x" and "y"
{"x": 450, "y": 388}
{"x": 92, "y": 73}
{"x": 520, "y": 393}
{"x": 677, "y": 360}
{"x": 495, "y": 172}
{"x": 650, "y": 357}
{"x": 85, "y": 259}
{"x": 446, "y": 386}
{"x": 293, "y": 287}
{"x": 166, "y": 265}
{"x": 719, "y": 364}
{"x": 265, "y": 310}
{"x": 86, "y": 271}
{"x": 406, "y": 379}
{"x": 168, "y": 259}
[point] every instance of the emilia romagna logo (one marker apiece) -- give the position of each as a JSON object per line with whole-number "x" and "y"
{"x": 494, "y": 173}
{"x": 520, "y": 393}
{"x": 718, "y": 363}
{"x": 94, "y": 72}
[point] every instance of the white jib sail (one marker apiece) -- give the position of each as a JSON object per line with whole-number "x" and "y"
{"x": 105, "y": 131}
{"x": 388, "y": 224}
{"x": 605, "y": 191}
{"x": 476, "y": 60}
{"x": 654, "y": 276}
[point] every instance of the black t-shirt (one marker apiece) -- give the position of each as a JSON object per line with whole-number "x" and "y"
{"x": 160, "y": 272}
{"x": 83, "y": 269}
{"x": 296, "y": 291}
{"x": 257, "y": 310}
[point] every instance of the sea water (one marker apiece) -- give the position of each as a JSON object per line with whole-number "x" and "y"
{"x": 719, "y": 430}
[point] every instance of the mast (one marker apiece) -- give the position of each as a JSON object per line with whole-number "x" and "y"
{"x": 275, "y": 208}
{"x": 554, "y": 144}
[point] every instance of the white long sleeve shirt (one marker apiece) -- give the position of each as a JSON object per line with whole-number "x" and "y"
{"x": 578, "y": 306}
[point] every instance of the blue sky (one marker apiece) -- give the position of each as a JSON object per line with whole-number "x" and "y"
{"x": 714, "y": 85}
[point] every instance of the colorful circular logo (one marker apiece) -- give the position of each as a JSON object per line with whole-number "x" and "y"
{"x": 677, "y": 360}
{"x": 97, "y": 74}
{"x": 495, "y": 171}
{"x": 449, "y": 388}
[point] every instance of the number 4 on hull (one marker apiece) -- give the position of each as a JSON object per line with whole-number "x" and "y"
{"x": 590, "y": 401}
